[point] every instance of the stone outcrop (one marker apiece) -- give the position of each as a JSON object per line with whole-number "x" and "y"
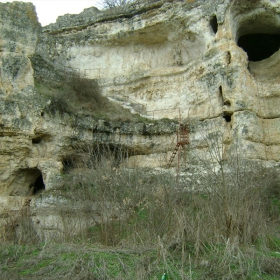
{"x": 19, "y": 31}
{"x": 216, "y": 63}
{"x": 189, "y": 55}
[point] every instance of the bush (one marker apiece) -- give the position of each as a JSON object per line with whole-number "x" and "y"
{"x": 115, "y": 3}
{"x": 77, "y": 94}
{"x": 229, "y": 204}
{"x": 60, "y": 105}
{"x": 87, "y": 90}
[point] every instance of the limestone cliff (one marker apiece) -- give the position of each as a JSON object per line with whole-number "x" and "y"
{"x": 215, "y": 62}
{"x": 195, "y": 55}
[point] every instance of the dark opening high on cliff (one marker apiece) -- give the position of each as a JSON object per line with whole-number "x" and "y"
{"x": 214, "y": 24}
{"x": 259, "y": 46}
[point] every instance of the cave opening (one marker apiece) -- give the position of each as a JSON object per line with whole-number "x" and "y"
{"x": 39, "y": 185}
{"x": 69, "y": 163}
{"x": 27, "y": 181}
{"x": 214, "y": 24}
{"x": 227, "y": 116}
{"x": 259, "y": 46}
{"x": 36, "y": 140}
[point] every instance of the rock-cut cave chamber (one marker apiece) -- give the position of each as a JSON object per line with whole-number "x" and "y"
{"x": 27, "y": 182}
{"x": 259, "y": 46}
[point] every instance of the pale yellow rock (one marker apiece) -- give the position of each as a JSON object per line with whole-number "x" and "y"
{"x": 176, "y": 60}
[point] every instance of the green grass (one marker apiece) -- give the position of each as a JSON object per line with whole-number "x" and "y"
{"x": 54, "y": 260}
{"x": 81, "y": 260}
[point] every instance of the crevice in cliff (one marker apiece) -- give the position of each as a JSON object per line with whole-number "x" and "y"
{"x": 228, "y": 58}
{"x": 266, "y": 118}
{"x": 201, "y": 119}
{"x": 214, "y": 24}
{"x": 223, "y": 100}
{"x": 221, "y": 94}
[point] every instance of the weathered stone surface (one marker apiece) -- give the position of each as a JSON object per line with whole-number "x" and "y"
{"x": 19, "y": 29}
{"x": 88, "y": 16}
{"x": 169, "y": 59}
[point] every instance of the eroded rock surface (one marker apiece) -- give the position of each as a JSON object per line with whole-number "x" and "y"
{"x": 200, "y": 57}
{"x": 214, "y": 63}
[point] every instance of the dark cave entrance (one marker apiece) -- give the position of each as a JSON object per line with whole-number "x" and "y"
{"x": 36, "y": 140}
{"x": 39, "y": 185}
{"x": 27, "y": 182}
{"x": 227, "y": 116}
{"x": 259, "y": 46}
{"x": 214, "y": 24}
{"x": 69, "y": 163}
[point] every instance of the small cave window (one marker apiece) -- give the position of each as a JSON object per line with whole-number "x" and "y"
{"x": 36, "y": 140}
{"x": 259, "y": 46}
{"x": 39, "y": 185}
{"x": 227, "y": 116}
{"x": 214, "y": 24}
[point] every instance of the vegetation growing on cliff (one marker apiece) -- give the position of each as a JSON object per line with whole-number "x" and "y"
{"x": 82, "y": 96}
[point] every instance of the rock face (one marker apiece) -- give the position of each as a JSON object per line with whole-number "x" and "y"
{"x": 212, "y": 60}
{"x": 19, "y": 31}
{"x": 216, "y": 63}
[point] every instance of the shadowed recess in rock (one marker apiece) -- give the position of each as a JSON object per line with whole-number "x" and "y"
{"x": 27, "y": 182}
{"x": 259, "y": 46}
{"x": 227, "y": 116}
{"x": 214, "y": 24}
{"x": 39, "y": 185}
{"x": 69, "y": 163}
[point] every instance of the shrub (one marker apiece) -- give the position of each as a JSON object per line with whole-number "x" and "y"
{"x": 87, "y": 90}
{"x": 230, "y": 204}
{"x": 58, "y": 104}
{"x": 115, "y": 3}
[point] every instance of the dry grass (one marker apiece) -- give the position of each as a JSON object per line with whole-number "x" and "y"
{"x": 223, "y": 230}
{"x": 227, "y": 227}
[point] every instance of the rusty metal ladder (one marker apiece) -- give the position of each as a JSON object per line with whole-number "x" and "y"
{"x": 182, "y": 141}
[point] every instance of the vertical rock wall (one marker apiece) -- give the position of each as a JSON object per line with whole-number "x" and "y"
{"x": 195, "y": 55}
{"x": 19, "y": 29}
{"x": 217, "y": 61}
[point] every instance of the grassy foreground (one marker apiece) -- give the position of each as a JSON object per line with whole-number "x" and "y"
{"x": 84, "y": 261}
{"x": 151, "y": 224}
